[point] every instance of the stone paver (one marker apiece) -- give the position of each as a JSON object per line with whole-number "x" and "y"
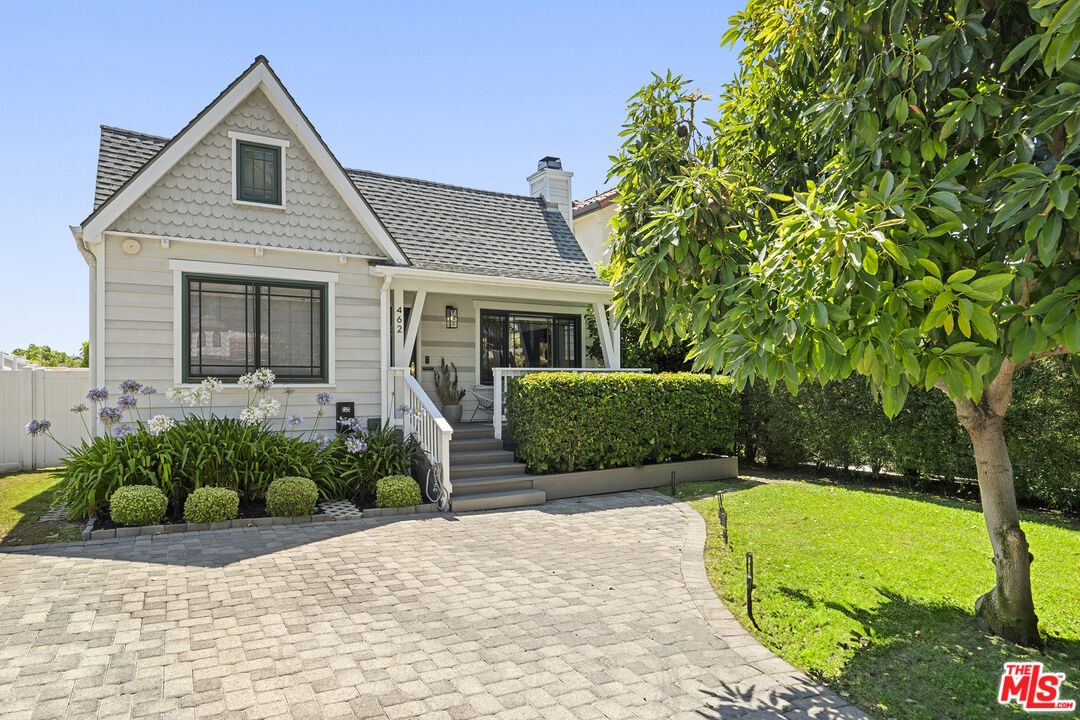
{"x": 591, "y": 608}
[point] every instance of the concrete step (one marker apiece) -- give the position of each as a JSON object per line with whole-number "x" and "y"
{"x": 472, "y": 432}
{"x": 497, "y": 500}
{"x": 464, "y": 472}
{"x": 492, "y": 484}
{"x": 478, "y": 457}
{"x": 471, "y": 444}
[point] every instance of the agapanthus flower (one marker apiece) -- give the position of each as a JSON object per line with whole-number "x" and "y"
{"x": 288, "y": 391}
{"x": 122, "y": 431}
{"x": 211, "y": 385}
{"x": 129, "y": 387}
{"x": 79, "y": 408}
{"x": 126, "y": 402}
{"x": 160, "y": 423}
{"x": 109, "y": 415}
{"x": 193, "y": 397}
{"x": 324, "y": 398}
{"x": 347, "y": 424}
{"x": 175, "y": 393}
{"x": 250, "y": 416}
{"x": 261, "y": 379}
{"x": 322, "y": 441}
{"x": 98, "y": 395}
{"x": 294, "y": 421}
{"x": 37, "y": 427}
{"x": 148, "y": 390}
{"x": 355, "y": 445}
{"x": 269, "y": 407}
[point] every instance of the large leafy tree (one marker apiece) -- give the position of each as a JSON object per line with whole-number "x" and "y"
{"x": 889, "y": 189}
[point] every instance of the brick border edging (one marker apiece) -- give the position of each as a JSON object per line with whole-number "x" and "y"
{"x": 725, "y": 626}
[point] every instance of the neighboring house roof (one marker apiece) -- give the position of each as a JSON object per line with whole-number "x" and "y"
{"x": 438, "y": 226}
{"x": 588, "y": 205}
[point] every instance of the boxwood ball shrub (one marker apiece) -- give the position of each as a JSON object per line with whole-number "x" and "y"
{"x": 291, "y": 497}
{"x": 397, "y": 491}
{"x": 133, "y": 505}
{"x": 211, "y": 504}
{"x": 563, "y": 422}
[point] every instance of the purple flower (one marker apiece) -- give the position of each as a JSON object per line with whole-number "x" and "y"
{"x": 288, "y": 391}
{"x": 37, "y": 427}
{"x": 294, "y": 421}
{"x": 109, "y": 415}
{"x": 122, "y": 431}
{"x": 130, "y": 386}
{"x": 148, "y": 390}
{"x": 347, "y": 424}
{"x": 79, "y": 408}
{"x": 321, "y": 441}
{"x": 324, "y": 398}
{"x": 97, "y": 395}
{"x": 126, "y": 402}
{"x": 355, "y": 445}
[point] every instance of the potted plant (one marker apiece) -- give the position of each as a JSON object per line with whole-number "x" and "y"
{"x": 446, "y": 385}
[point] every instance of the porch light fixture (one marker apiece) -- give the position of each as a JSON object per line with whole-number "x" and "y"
{"x": 451, "y": 317}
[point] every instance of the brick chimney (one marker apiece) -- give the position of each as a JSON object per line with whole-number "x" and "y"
{"x": 552, "y": 183}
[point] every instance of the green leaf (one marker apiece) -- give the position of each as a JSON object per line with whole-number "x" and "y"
{"x": 1071, "y": 332}
{"x": 991, "y": 284}
{"x": 961, "y": 276}
{"x": 1019, "y": 51}
{"x": 984, "y": 324}
{"x": 947, "y": 199}
{"x": 870, "y": 261}
{"x": 1048, "y": 240}
{"x": 923, "y": 63}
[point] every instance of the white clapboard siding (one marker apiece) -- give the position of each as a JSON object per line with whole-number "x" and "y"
{"x": 37, "y": 394}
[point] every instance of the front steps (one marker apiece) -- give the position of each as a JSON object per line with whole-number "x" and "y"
{"x": 484, "y": 476}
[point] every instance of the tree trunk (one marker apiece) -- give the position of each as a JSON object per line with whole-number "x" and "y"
{"x": 1007, "y": 610}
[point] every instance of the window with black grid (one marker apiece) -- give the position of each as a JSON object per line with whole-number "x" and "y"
{"x": 258, "y": 173}
{"x": 235, "y": 325}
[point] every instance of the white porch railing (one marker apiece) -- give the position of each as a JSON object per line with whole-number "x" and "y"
{"x": 502, "y": 374}
{"x": 14, "y": 362}
{"x": 422, "y": 419}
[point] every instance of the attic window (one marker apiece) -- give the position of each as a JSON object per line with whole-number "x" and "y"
{"x": 259, "y": 175}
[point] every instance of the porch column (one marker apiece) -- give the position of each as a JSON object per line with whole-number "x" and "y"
{"x": 414, "y": 325}
{"x": 608, "y": 344}
{"x": 398, "y": 327}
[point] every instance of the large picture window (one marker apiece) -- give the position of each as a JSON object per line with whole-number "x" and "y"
{"x": 528, "y": 340}
{"x": 235, "y": 325}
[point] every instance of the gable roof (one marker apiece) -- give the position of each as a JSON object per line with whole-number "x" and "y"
{"x": 258, "y": 75}
{"x": 438, "y": 226}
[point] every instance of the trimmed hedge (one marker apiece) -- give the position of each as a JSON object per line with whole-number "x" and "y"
{"x": 134, "y": 505}
{"x": 841, "y": 425}
{"x": 563, "y": 422}
{"x": 291, "y": 497}
{"x": 397, "y": 491}
{"x": 211, "y": 504}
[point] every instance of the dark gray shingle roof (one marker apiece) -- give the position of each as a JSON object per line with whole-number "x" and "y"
{"x": 438, "y": 226}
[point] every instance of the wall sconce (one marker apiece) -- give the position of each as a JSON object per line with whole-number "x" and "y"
{"x": 451, "y": 317}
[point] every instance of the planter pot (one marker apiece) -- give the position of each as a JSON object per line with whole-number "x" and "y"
{"x": 452, "y": 413}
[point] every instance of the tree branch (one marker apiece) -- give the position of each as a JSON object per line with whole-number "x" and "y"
{"x": 1059, "y": 350}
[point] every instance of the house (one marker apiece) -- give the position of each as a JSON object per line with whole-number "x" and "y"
{"x": 242, "y": 242}
{"x": 592, "y": 224}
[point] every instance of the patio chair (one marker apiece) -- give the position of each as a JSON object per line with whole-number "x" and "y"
{"x": 485, "y": 400}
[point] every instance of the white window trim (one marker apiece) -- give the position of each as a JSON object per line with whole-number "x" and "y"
{"x": 479, "y": 305}
{"x": 235, "y": 137}
{"x": 179, "y": 267}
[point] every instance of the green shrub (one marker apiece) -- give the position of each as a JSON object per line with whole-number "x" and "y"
{"x": 138, "y": 505}
{"x": 291, "y": 497}
{"x": 211, "y": 504}
{"x": 344, "y": 475}
{"x": 397, "y": 491}
{"x": 584, "y": 421}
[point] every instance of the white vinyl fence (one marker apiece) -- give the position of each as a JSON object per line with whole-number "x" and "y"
{"x": 33, "y": 393}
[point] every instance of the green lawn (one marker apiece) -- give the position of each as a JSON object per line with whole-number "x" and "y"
{"x": 23, "y": 499}
{"x": 873, "y": 592}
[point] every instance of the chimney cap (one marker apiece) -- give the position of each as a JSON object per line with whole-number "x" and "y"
{"x": 549, "y": 163}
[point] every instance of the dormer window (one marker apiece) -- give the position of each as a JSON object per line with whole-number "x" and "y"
{"x": 259, "y": 170}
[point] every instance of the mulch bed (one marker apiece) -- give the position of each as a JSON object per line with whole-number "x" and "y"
{"x": 175, "y": 514}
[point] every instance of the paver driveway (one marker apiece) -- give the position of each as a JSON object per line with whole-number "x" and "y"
{"x": 586, "y": 609}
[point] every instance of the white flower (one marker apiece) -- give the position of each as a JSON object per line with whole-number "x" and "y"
{"x": 269, "y": 407}
{"x": 211, "y": 385}
{"x": 176, "y": 394}
{"x": 160, "y": 423}
{"x": 261, "y": 379}
{"x": 250, "y": 416}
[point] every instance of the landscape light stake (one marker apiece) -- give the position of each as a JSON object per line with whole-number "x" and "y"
{"x": 722, "y": 513}
{"x": 750, "y": 588}
{"x": 673, "y": 483}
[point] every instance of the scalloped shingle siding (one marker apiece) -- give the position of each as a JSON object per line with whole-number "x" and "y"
{"x": 194, "y": 199}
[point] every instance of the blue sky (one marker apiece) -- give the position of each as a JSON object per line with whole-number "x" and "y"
{"x": 467, "y": 93}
